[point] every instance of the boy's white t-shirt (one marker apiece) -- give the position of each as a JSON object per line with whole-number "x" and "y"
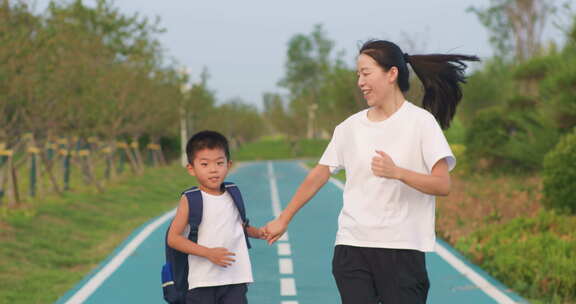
{"x": 221, "y": 226}
{"x": 381, "y": 212}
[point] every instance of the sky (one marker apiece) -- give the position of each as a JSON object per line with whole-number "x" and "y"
{"x": 243, "y": 44}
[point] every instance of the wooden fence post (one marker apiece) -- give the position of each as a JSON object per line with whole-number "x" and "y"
{"x": 66, "y": 155}
{"x": 33, "y": 155}
{"x": 3, "y": 160}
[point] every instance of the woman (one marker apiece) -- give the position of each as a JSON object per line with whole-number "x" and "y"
{"x": 396, "y": 160}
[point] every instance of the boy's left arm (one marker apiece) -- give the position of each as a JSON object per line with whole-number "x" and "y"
{"x": 255, "y": 232}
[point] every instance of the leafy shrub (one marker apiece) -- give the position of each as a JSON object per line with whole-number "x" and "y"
{"x": 537, "y": 68}
{"x": 490, "y": 86}
{"x": 559, "y": 175}
{"x": 456, "y": 134}
{"x": 558, "y": 90}
{"x": 513, "y": 136}
{"x": 533, "y": 256}
{"x": 462, "y": 161}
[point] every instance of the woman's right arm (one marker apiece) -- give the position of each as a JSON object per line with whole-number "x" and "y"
{"x": 311, "y": 184}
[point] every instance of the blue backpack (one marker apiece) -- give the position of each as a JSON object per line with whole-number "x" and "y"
{"x": 175, "y": 270}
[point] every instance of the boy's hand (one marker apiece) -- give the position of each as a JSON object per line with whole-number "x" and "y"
{"x": 220, "y": 256}
{"x": 274, "y": 230}
{"x": 261, "y": 233}
{"x": 257, "y": 233}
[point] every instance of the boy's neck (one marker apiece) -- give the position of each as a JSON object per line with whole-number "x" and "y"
{"x": 208, "y": 190}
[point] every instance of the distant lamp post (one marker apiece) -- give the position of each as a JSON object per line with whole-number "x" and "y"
{"x": 185, "y": 88}
{"x": 311, "y": 117}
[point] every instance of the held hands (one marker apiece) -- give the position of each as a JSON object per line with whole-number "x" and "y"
{"x": 260, "y": 233}
{"x": 383, "y": 166}
{"x": 274, "y": 230}
{"x": 220, "y": 256}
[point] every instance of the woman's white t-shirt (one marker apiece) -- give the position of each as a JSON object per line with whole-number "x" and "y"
{"x": 221, "y": 226}
{"x": 381, "y": 212}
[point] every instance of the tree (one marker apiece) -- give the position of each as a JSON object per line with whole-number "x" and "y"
{"x": 339, "y": 97}
{"x": 281, "y": 118}
{"x": 307, "y": 63}
{"x": 238, "y": 121}
{"x": 515, "y": 26}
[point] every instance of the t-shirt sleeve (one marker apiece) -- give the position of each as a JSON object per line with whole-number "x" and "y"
{"x": 434, "y": 145}
{"x": 331, "y": 156}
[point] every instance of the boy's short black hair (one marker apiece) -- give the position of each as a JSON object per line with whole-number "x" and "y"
{"x": 206, "y": 140}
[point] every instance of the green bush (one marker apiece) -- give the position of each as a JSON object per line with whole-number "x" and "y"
{"x": 514, "y": 136}
{"x": 486, "y": 87}
{"x": 558, "y": 90}
{"x": 559, "y": 175}
{"x": 456, "y": 134}
{"x": 533, "y": 256}
{"x": 537, "y": 68}
{"x": 462, "y": 162}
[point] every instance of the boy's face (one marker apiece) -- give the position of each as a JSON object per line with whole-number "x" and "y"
{"x": 210, "y": 168}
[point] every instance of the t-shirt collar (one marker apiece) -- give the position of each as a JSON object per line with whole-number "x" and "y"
{"x": 392, "y": 117}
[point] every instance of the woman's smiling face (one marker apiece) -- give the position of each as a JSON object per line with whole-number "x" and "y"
{"x": 374, "y": 82}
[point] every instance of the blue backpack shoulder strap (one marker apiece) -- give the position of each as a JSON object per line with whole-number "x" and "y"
{"x": 234, "y": 192}
{"x": 195, "y": 209}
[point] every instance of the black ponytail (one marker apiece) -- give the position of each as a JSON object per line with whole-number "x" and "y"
{"x": 440, "y": 74}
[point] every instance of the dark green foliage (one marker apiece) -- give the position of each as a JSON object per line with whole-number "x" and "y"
{"x": 558, "y": 91}
{"x": 485, "y": 88}
{"x": 559, "y": 175}
{"x": 537, "y": 68}
{"x": 510, "y": 137}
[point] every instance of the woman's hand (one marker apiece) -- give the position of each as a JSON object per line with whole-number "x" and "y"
{"x": 383, "y": 166}
{"x": 275, "y": 229}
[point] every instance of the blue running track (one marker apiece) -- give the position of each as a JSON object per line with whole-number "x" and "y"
{"x": 295, "y": 270}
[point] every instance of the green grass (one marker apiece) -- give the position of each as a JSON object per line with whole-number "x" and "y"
{"x": 280, "y": 148}
{"x": 51, "y": 244}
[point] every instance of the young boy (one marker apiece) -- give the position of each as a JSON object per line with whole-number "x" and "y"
{"x": 219, "y": 264}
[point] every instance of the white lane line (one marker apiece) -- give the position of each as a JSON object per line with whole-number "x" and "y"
{"x": 83, "y": 293}
{"x": 286, "y": 266}
{"x": 472, "y": 275}
{"x": 274, "y": 191}
{"x": 287, "y": 287}
{"x": 284, "y": 249}
{"x": 461, "y": 267}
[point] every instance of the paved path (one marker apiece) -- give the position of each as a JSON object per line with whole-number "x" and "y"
{"x": 296, "y": 270}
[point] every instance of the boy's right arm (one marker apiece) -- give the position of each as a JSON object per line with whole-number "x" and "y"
{"x": 219, "y": 256}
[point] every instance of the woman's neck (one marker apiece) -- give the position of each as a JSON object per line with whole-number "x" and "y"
{"x": 386, "y": 108}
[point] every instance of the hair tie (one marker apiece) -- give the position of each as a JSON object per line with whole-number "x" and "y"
{"x": 407, "y": 57}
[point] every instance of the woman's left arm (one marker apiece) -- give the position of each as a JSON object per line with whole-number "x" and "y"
{"x": 436, "y": 183}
